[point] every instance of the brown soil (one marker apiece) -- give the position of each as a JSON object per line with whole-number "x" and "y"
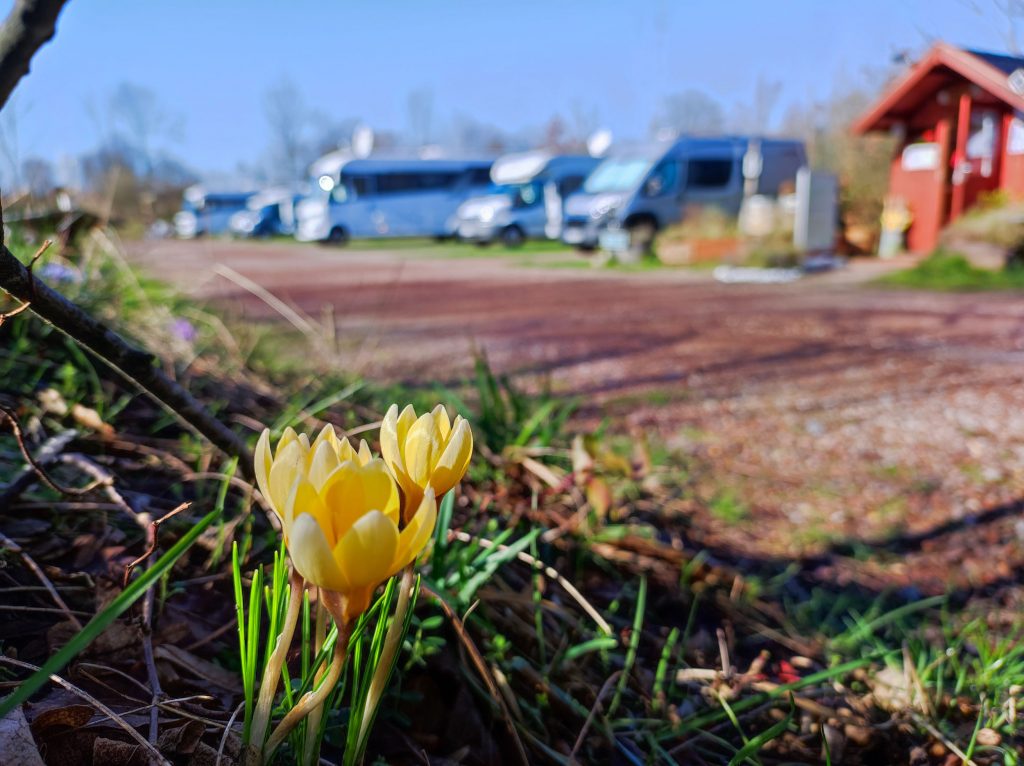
{"x": 840, "y": 414}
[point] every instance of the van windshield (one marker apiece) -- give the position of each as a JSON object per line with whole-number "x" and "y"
{"x": 616, "y": 175}
{"x": 522, "y": 195}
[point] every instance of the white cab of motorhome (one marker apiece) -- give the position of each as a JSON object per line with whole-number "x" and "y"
{"x": 525, "y": 199}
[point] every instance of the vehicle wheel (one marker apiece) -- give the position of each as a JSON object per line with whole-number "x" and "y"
{"x": 338, "y": 236}
{"x": 512, "y": 236}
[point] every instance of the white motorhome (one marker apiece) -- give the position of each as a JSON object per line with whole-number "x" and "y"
{"x": 525, "y": 199}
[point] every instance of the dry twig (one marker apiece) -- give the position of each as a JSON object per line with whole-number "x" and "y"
{"x": 36, "y": 466}
{"x": 136, "y": 364}
{"x": 150, "y": 749}
{"x": 147, "y": 621}
{"x": 39, "y": 573}
{"x": 481, "y": 666}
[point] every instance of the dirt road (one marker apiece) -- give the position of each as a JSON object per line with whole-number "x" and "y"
{"x": 821, "y": 412}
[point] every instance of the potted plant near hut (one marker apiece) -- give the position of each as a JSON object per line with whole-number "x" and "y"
{"x": 705, "y": 235}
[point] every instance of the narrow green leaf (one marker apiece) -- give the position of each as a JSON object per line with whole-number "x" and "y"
{"x": 754, "y": 745}
{"x": 601, "y": 643}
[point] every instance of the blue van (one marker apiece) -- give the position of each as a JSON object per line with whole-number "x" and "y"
{"x": 638, "y": 190}
{"x": 205, "y": 213}
{"x": 372, "y": 198}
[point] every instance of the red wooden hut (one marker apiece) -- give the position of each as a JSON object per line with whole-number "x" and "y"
{"x": 958, "y": 116}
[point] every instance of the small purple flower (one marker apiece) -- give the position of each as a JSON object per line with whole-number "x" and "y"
{"x": 184, "y": 329}
{"x": 58, "y": 272}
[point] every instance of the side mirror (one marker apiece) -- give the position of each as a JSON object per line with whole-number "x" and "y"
{"x": 653, "y": 186}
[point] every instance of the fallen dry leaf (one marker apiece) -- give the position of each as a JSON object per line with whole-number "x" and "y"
{"x": 17, "y": 746}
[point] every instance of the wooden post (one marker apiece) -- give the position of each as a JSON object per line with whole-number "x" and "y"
{"x": 963, "y": 127}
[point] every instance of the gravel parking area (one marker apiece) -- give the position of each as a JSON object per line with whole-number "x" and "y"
{"x": 817, "y": 416}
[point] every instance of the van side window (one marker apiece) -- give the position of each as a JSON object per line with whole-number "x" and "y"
{"x": 397, "y": 183}
{"x": 570, "y": 184}
{"x": 434, "y": 181}
{"x": 480, "y": 176}
{"x": 708, "y": 174}
{"x": 361, "y": 186}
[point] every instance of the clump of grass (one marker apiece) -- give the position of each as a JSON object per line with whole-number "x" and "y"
{"x": 945, "y": 270}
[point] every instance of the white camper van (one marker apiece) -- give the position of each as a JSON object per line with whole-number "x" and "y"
{"x": 525, "y": 200}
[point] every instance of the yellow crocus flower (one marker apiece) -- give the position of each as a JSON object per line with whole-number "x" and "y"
{"x": 425, "y": 452}
{"x": 276, "y": 471}
{"x": 340, "y": 512}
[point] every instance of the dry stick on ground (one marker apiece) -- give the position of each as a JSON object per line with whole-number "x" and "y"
{"x": 146, "y": 746}
{"x": 39, "y": 573}
{"x": 147, "y": 621}
{"x": 594, "y": 710}
{"x": 30, "y": 24}
{"x": 8, "y": 416}
{"x": 47, "y": 453}
{"x": 481, "y": 667}
{"x": 136, "y": 364}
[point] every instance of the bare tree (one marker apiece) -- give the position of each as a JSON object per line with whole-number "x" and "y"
{"x": 585, "y": 120}
{"x": 29, "y": 25}
{"x": 288, "y": 118}
{"x": 691, "y": 112}
{"x": 138, "y": 121}
{"x": 420, "y": 113}
{"x": 10, "y": 143}
{"x": 39, "y": 176}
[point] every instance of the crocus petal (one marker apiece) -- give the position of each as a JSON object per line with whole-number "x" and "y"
{"x": 367, "y": 552}
{"x": 441, "y": 422}
{"x": 379, "y": 490}
{"x": 325, "y": 461}
{"x": 391, "y": 445}
{"x": 413, "y": 539}
{"x": 364, "y": 456}
{"x": 421, "y": 449}
{"x": 287, "y": 464}
{"x": 312, "y": 556}
{"x": 345, "y": 451}
{"x": 263, "y": 460}
{"x": 287, "y": 437}
{"x": 454, "y": 461}
{"x": 352, "y": 490}
{"x": 303, "y": 498}
{"x": 327, "y": 435}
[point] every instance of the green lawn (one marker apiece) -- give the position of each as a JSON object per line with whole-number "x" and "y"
{"x": 951, "y": 271}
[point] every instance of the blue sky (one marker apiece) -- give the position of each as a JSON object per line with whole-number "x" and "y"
{"x": 511, "y": 64}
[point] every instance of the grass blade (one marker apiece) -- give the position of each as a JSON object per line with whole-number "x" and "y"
{"x": 753, "y": 746}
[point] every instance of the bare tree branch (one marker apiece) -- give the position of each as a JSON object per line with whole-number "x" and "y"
{"x": 136, "y": 364}
{"x": 30, "y": 24}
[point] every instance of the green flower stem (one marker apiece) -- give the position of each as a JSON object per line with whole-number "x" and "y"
{"x": 314, "y": 699}
{"x": 382, "y": 673}
{"x": 310, "y": 754}
{"x": 272, "y": 672}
